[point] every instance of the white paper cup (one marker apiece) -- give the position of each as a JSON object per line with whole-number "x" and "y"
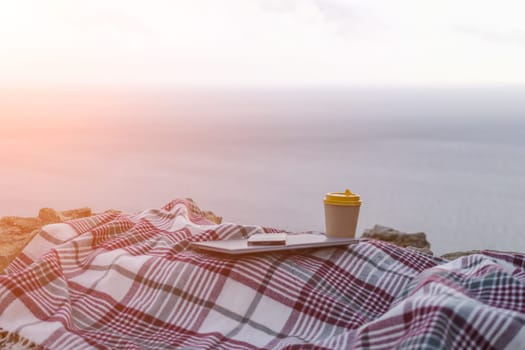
{"x": 341, "y": 213}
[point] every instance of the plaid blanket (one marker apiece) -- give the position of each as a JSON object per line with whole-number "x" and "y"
{"x": 115, "y": 281}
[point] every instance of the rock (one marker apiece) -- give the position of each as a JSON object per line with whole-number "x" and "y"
{"x": 416, "y": 241}
{"x": 25, "y": 225}
{"x": 76, "y": 213}
{"x": 16, "y": 232}
{"x": 10, "y": 247}
{"x": 49, "y": 216}
{"x": 10, "y": 235}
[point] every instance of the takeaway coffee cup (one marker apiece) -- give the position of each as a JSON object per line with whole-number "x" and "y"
{"x": 341, "y": 211}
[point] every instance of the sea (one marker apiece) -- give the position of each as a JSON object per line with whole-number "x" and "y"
{"x": 447, "y": 161}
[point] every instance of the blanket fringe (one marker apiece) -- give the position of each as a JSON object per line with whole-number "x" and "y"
{"x": 14, "y": 341}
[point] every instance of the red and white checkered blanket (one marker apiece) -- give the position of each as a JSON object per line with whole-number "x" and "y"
{"x": 116, "y": 281}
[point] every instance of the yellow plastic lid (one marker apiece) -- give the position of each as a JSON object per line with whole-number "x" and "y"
{"x": 345, "y": 198}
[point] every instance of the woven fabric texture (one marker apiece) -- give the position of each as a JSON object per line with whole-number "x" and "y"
{"x": 118, "y": 281}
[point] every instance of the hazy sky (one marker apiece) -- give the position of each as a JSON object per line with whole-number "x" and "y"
{"x": 259, "y": 42}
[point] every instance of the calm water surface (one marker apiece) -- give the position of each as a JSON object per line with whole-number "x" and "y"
{"x": 446, "y": 162}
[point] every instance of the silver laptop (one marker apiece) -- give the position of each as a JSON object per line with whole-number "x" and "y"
{"x": 293, "y": 241}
